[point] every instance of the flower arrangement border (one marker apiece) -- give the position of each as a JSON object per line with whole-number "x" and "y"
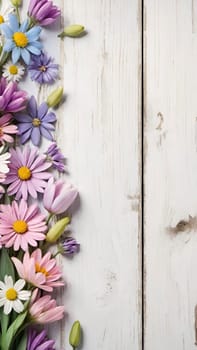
{"x": 31, "y": 234}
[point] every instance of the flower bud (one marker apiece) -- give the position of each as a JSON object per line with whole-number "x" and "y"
{"x": 73, "y": 31}
{"x": 57, "y": 230}
{"x": 70, "y": 246}
{"x": 75, "y": 335}
{"x": 55, "y": 97}
{"x": 16, "y": 3}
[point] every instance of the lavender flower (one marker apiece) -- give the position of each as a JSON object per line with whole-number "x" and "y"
{"x": 70, "y": 246}
{"x": 42, "y": 69}
{"x": 43, "y": 12}
{"x": 36, "y": 122}
{"x": 11, "y": 99}
{"x": 56, "y": 158}
{"x": 39, "y": 341}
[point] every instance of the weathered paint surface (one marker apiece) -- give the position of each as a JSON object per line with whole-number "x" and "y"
{"x": 99, "y": 130}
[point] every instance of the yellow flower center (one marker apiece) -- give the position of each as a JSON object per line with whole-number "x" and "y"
{"x": 13, "y": 69}
{"x": 1, "y": 19}
{"x": 20, "y": 226}
{"x": 36, "y": 122}
{"x": 1, "y": 132}
{"x": 11, "y": 294}
{"x": 20, "y": 39}
{"x": 41, "y": 269}
{"x": 24, "y": 173}
{"x": 43, "y": 69}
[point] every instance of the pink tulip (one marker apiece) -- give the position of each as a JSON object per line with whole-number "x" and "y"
{"x": 58, "y": 196}
{"x": 45, "y": 310}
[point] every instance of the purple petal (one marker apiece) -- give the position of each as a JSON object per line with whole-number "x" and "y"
{"x": 35, "y": 136}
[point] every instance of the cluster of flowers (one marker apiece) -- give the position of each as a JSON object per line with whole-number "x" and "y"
{"x": 31, "y": 231}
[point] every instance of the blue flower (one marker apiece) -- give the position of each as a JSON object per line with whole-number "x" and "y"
{"x": 20, "y": 40}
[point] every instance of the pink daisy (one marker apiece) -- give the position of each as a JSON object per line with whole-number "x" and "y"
{"x": 7, "y": 129}
{"x": 27, "y": 174}
{"x": 41, "y": 271}
{"x": 21, "y": 225}
{"x": 44, "y": 310}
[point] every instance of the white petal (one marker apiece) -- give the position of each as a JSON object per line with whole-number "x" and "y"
{"x": 2, "y": 285}
{"x": 18, "y": 306}
{"x": 2, "y": 301}
{"x": 8, "y": 307}
{"x": 19, "y": 285}
{"x": 8, "y": 282}
{"x": 24, "y": 295}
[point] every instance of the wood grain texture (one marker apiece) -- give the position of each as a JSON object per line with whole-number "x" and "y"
{"x": 100, "y": 133}
{"x": 170, "y": 174}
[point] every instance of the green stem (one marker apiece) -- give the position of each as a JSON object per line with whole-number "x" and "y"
{"x": 18, "y": 13}
{"x": 56, "y": 254}
{"x": 49, "y": 218}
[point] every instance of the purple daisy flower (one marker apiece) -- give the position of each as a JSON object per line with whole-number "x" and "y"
{"x": 27, "y": 175}
{"x": 42, "y": 69}
{"x": 36, "y": 122}
{"x": 43, "y": 12}
{"x": 39, "y": 340}
{"x": 11, "y": 99}
{"x": 56, "y": 158}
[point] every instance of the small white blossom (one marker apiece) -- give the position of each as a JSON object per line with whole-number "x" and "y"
{"x": 11, "y": 295}
{"x": 13, "y": 72}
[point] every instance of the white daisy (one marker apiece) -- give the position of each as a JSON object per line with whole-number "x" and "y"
{"x": 4, "y": 161}
{"x": 11, "y": 295}
{"x": 5, "y": 10}
{"x": 13, "y": 72}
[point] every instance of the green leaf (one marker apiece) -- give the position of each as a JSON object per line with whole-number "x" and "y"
{"x": 8, "y": 338}
{"x": 4, "y": 322}
{"x": 22, "y": 345}
{"x": 6, "y": 266}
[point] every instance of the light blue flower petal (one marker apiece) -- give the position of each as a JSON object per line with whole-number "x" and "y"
{"x": 16, "y": 52}
{"x": 25, "y": 55}
{"x": 37, "y": 44}
{"x": 6, "y": 31}
{"x": 14, "y": 25}
{"x": 24, "y": 26}
{"x": 33, "y": 50}
{"x": 9, "y": 45}
{"x": 33, "y": 33}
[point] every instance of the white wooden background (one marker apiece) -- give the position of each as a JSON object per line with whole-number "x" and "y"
{"x": 99, "y": 130}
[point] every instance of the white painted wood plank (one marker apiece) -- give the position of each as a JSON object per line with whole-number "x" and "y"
{"x": 170, "y": 174}
{"x": 99, "y": 131}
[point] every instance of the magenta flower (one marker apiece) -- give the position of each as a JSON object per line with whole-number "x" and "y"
{"x": 27, "y": 175}
{"x": 36, "y": 122}
{"x": 11, "y": 99}
{"x": 21, "y": 226}
{"x": 7, "y": 129}
{"x": 43, "y": 12}
{"x": 40, "y": 271}
{"x": 58, "y": 196}
{"x": 45, "y": 310}
{"x": 39, "y": 340}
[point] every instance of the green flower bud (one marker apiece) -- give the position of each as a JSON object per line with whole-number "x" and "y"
{"x": 16, "y": 3}
{"x": 73, "y": 31}
{"x": 75, "y": 335}
{"x": 55, "y": 97}
{"x": 57, "y": 230}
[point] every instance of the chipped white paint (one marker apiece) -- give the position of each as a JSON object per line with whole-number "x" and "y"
{"x": 170, "y": 174}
